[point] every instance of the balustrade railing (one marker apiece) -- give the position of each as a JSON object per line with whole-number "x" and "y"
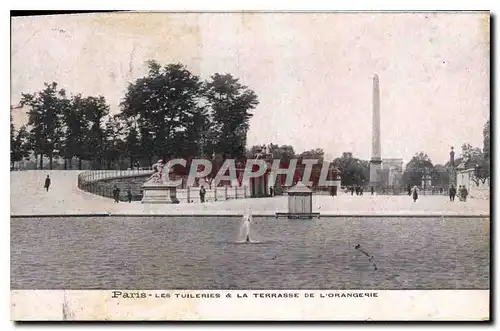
{"x": 91, "y": 181}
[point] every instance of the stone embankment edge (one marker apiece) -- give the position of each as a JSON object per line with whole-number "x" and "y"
{"x": 326, "y": 215}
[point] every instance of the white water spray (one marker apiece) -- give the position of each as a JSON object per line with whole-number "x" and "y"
{"x": 246, "y": 224}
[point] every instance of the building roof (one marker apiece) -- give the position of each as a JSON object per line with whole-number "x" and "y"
{"x": 299, "y": 188}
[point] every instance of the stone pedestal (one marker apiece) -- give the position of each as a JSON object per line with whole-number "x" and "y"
{"x": 159, "y": 193}
{"x": 375, "y": 168}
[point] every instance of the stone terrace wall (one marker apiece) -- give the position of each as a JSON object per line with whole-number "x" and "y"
{"x": 192, "y": 195}
{"x": 102, "y": 183}
{"x": 104, "y": 187}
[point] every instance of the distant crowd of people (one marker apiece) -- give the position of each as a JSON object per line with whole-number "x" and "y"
{"x": 357, "y": 189}
{"x": 462, "y": 193}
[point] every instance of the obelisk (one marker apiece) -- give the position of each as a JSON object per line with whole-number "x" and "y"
{"x": 376, "y": 160}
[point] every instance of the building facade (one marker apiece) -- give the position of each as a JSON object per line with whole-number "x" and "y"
{"x": 475, "y": 187}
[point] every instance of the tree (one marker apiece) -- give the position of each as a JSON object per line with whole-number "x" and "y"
{"x": 440, "y": 176}
{"x": 45, "y": 120}
{"x": 473, "y": 158}
{"x": 353, "y": 171}
{"x": 284, "y": 152}
{"x": 486, "y": 140}
{"x": 483, "y": 171}
{"x": 419, "y": 166}
{"x": 165, "y": 105}
{"x": 131, "y": 143}
{"x": 230, "y": 103}
{"x": 95, "y": 110}
{"x": 74, "y": 131}
{"x": 315, "y": 154}
{"x": 114, "y": 146}
{"x": 12, "y": 137}
{"x": 19, "y": 147}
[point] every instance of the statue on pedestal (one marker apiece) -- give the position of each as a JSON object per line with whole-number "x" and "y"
{"x": 155, "y": 190}
{"x": 157, "y": 176}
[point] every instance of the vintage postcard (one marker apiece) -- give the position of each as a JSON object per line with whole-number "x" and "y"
{"x": 250, "y": 166}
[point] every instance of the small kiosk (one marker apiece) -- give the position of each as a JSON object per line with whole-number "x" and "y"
{"x": 299, "y": 202}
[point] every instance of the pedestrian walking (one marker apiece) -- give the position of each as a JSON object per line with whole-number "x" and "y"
{"x": 129, "y": 195}
{"x": 47, "y": 183}
{"x": 116, "y": 194}
{"x": 202, "y": 194}
{"x": 452, "y": 193}
{"x": 409, "y": 190}
{"x": 415, "y": 193}
{"x": 465, "y": 193}
{"x": 460, "y": 193}
{"x": 271, "y": 191}
{"x": 372, "y": 190}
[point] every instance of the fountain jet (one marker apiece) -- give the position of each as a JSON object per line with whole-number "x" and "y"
{"x": 247, "y": 219}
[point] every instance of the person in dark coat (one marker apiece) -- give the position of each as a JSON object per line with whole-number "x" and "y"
{"x": 465, "y": 193}
{"x": 202, "y": 194}
{"x": 372, "y": 190}
{"x": 415, "y": 193}
{"x": 452, "y": 193}
{"x": 116, "y": 194}
{"x": 460, "y": 193}
{"x": 409, "y": 189}
{"x": 47, "y": 183}
{"x": 271, "y": 191}
{"x": 129, "y": 195}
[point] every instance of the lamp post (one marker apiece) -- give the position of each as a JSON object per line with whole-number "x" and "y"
{"x": 452, "y": 179}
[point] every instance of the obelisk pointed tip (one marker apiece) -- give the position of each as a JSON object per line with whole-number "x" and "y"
{"x": 375, "y": 76}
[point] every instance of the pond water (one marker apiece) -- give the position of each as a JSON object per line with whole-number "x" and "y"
{"x": 210, "y": 253}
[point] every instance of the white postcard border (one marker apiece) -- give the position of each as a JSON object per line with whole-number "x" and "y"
{"x": 365, "y": 5}
{"x": 241, "y": 305}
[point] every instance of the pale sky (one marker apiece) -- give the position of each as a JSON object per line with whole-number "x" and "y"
{"x": 312, "y": 72}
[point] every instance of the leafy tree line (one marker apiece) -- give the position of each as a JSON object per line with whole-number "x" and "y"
{"x": 421, "y": 166}
{"x": 170, "y": 112}
{"x": 355, "y": 171}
